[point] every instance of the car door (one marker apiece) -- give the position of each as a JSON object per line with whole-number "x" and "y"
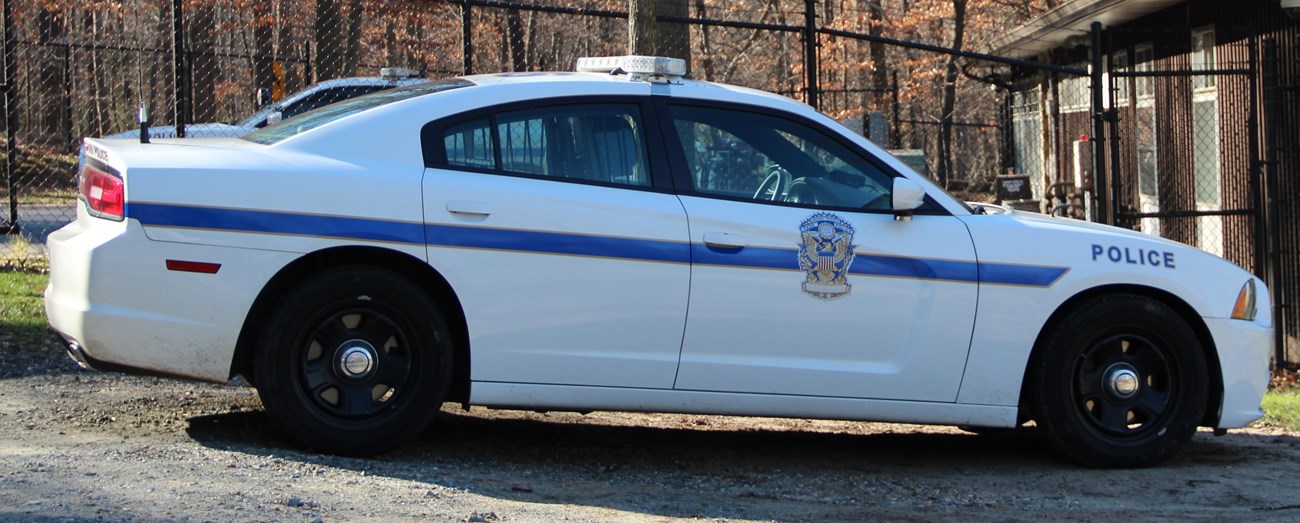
{"x": 803, "y": 282}
{"x": 565, "y": 248}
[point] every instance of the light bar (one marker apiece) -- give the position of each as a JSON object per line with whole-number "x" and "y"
{"x": 636, "y": 67}
{"x": 398, "y": 73}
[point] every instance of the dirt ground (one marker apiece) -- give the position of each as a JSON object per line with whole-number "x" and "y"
{"x": 86, "y": 446}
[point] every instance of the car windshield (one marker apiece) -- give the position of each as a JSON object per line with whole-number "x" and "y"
{"x": 307, "y": 121}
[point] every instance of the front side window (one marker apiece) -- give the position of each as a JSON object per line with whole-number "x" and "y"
{"x": 746, "y": 155}
{"x": 602, "y": 143}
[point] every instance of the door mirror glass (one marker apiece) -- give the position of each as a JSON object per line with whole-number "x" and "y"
{"x": 908, "y": 195}
{"x": 262, "y": 97}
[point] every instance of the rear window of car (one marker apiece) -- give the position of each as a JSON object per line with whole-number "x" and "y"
{"x": 309, "y": 120}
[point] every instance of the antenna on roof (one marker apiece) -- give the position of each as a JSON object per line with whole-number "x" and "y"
{"x": 144, "y": 123}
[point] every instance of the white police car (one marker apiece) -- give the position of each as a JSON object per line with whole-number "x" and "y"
{"x": 622, "y": 239}
{"x": 313, "y": 97}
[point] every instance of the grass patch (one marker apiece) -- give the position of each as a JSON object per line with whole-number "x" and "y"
{"x": 1282, "y": 409}
{"x": 22, "y": 309}
{"x": 20, "y": 254}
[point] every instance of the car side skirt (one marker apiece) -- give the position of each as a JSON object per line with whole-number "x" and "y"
{"x": 570, "y": 398}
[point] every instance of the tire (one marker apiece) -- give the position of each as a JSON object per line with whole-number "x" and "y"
{"x": 354, "y": 361}
{"x": 1121, "y": 382}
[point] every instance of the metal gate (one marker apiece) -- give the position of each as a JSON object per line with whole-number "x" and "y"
{"x": 1183, "y": 157}
{"x": 1183, "y": 151}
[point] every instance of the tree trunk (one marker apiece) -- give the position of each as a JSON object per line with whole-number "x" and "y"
{"x": 515, "y": 39}
{"x": 673, "y": 38}
{"x": 331, "y": 46}
{"x": 353, "y": 53}
{"x": 705, "y": 51}
{"x": 946, "y": 173}
{"x": 263, "y": 47}
{"x": 203, "y": 63}
{"x": 879, "y": 60}
{"x": 642, "y": 29}
{"x": 51, "y": 33}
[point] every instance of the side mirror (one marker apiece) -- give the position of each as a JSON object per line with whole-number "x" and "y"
{"x": 274, "y": 117}
{"x": 262, "y": 97}
{"x": 908, "y": 196}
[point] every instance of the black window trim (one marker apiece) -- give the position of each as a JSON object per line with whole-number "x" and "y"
{"x": 681, "y": 172}
{"x": 435, "y": 154}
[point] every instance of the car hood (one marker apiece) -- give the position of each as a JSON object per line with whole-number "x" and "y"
{"x": 1095, "y": 255}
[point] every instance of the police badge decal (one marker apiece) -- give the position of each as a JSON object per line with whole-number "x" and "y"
{"x": 826, "y": 255}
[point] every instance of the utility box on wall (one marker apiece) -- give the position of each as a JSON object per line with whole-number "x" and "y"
{"x": 1083, "y": 164}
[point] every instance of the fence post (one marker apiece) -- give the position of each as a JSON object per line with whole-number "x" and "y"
{"x": 1273, "y": 119}
{"x": 180, "y": 90}
{"x": 1101, "y": 204}
{"x": 11, "y": 118}
{"x": 896, "y": 131}
{"x": 810, "y": 52}
{"x": 466, "y": 39}
{"x": 1111, "y": 115}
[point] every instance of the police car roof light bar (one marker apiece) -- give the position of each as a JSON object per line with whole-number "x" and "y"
{"x": 648, "y": 68}
{"x": 398, "y": 73}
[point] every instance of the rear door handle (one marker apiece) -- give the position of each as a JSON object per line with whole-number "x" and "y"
{"x": 469, "y": 207}
{"x": 726, "y": 240}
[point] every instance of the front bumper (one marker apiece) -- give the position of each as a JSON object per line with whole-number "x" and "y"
{"x": 1244, "y": 349}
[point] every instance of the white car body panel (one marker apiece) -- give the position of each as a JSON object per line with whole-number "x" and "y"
{"x": 1010, "y": 319}
{"x": 896, "y": 333}
{"x": 557, "y": 397}
{"x": 551, "y": 325}
{"x": 543, "y": 311}
{"x": 188, "y": 322}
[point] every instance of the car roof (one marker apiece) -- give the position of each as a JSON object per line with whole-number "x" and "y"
{"x": 596, "y": 83}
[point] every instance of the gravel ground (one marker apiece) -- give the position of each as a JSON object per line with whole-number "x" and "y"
{"x": 86, "y": 446}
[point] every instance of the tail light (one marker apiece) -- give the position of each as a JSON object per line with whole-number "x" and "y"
{"x": 104, "y": 192}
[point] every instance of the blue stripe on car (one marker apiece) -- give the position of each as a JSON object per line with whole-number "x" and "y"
{"x": 557, "y": 243}
{"x": 275, "y": 222}
{"x": 241, "y": 220}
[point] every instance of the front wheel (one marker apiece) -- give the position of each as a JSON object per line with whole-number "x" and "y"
{"x": 354, "y": 361}
{"x": 1121, "y": 382}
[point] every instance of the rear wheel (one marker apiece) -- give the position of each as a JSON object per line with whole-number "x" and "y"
{"x": 354, "y": 361}
{"x": 1121, "y": 382}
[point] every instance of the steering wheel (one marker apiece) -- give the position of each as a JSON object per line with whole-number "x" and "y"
{"x": 801, "y": 192}
{"x": 774, "y": 186}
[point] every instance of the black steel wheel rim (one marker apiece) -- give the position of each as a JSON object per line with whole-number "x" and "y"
{"x": 355, "y": 363}
{"x": 1124, "y": 386}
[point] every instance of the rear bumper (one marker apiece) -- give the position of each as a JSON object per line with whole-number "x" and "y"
{"x": 1244, "y": 350}
{"x": 113, "y": 297}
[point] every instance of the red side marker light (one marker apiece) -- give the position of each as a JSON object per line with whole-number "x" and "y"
{"x": 193, "y": 266}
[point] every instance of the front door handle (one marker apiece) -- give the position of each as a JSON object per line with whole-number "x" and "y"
{"x": 725, "y": 240}
{"x": 469, "y": 207}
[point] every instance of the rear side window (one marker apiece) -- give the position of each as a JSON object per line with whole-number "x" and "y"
{"x": 470, "y": 145}
{"x": 602, "y": 143}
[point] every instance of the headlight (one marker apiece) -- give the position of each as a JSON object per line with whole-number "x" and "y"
{"x": 1245, "y": 307}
